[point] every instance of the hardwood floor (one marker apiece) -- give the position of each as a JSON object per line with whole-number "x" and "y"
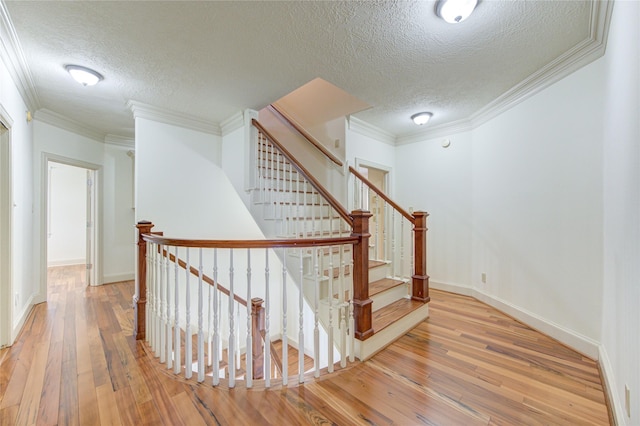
{"x": 76, "y": 362}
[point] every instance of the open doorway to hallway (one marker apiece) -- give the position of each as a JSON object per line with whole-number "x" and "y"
{"x": 70, "y": 224}
{"x": 378, "y": 176}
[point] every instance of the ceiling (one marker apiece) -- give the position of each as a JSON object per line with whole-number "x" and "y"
{"x": 210, "y": 60}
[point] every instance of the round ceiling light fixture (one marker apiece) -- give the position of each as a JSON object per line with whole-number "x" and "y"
{"x": 83, "y": 75}
{"x": 421, "y": 118}
{"x": 455, "y": 11}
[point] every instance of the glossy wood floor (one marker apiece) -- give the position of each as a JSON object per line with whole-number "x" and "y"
{"x": 77, "y": 363}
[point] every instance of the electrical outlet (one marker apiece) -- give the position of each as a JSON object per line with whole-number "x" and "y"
{"x": 336, "y": 143}
{"x": 627, "y": 400}
{"x": 16, "y": 299}
{"x": 484, "y": 277}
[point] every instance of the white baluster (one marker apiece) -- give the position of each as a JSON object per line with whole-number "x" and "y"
{"x": 200, "y": 319}
{"x": 343, "y": 325}
{"x": 147, "y": 308}
{"x": 267, "y": 337}
{"x": 210, "y": 326}
{"x": 402, "y": 248}
{"x": 393, "y": 242}
{"x": 301, "y": 323}
{"x": 188, "y": 340}
{"x": 161, "y": 306}
{"x": 249, "y": 351}
{"x": 167, "y": 311}
{"x": 232, "y": 338}
{"x": 169, "y": 319}
{"x": 285, "y": 341}
{"x": 216, "y": 321}
{"x": 330, "y": 328}
{"x": 177, "y": 365}
{"x": 352, "y": 326}
{"x": 316, "y": 306}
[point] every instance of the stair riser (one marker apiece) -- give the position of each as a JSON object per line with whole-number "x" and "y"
{"x": 379, "y": 272}
{"x": 387, "y": 297}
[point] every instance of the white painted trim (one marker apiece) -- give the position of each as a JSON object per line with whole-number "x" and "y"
{"x": 66, "y": 262}
{"x": 232, "y": 123}
{"x": 116, "y": 278}
{"x": 58, "y": 120}
{"x": 161, "y": 115}
{"x": 451, "y": 287}
{"x": 120, "y": 141}
{"x": 362, "y": 127}
{"x": 23, "y": 317}
{"x": 6, "y": 232}
{"x": 44, "y": 200}
{"x": 611, "y": 387}
{"x": 13, "y": 57}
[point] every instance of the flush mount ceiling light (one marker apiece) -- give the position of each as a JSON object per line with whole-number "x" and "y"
{"x": 83, "y": 75}
{"x": 455, "y": 11}
{"x": 421, "y": 118}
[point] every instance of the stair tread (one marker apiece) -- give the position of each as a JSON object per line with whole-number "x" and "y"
{"x": 376, "y": 263}
{"x": 384, "y": 284}
{"x": 386, "y": 316}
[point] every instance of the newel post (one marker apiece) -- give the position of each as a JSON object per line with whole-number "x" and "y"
{"x": 361, "y": 301}
{"x": 140, "y": 298}
{"x": 420, "y": 290}
{"x": 257, "y": 333}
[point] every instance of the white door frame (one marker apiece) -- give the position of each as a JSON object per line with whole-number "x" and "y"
{"x": 97, "y": 228}
{"x": 6, "y": 240}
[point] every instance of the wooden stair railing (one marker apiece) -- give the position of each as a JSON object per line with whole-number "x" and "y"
{"x": 420, "y": 279}
{"x": 163, "y": 298}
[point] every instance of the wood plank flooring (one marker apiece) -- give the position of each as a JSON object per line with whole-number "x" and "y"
{"x": 76, "y": 362}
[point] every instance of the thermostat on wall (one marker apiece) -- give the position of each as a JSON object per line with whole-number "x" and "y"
{"x": 446, "y": 143}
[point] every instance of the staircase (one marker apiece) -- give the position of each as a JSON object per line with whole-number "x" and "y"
{"x": 288, "y": 202}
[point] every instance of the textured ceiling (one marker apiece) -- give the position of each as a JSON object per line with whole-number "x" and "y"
{"x": 210, "y": 60}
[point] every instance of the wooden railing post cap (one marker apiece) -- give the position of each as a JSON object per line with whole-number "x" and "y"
{"x": 256, "y": 301}
{"x": 420, "y": 214}
{"x": 361, "y": 213}
{"x": 144, "y": 222}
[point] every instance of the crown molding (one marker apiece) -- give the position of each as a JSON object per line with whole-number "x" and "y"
{"x": 232, "y": 123}
{"x": 15, "y": 61}
{"x": 445, "y": 129}
{"x": 150, "y": 112}
{"x": 362, "y": 127}
{"x": 579, "y": 56}
{"x": 119, "y": 141}
{"x": 58, "y": 120}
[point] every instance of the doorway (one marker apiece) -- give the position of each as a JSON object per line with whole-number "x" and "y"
{"x": 70, "y": 221}
{"x": 6, "y": 284}
{"x": 379, "y": 177}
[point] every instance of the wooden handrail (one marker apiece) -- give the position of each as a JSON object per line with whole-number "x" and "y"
{"x": 384, "y": 196}
{"x": 343, "y": 212}
{"x": 239, "y": 244}
{"x": 307, "y": 135}
{"x": 205, "y": 278}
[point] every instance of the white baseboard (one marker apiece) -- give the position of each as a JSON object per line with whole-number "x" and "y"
{"x": 611, "y": 388}
{"x": 576, "y": 341}
{"x": 66, "y": 262}
{"x": 116, "y": 278}
{"x": 23, "y": 317}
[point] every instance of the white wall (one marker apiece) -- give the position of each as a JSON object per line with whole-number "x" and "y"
{"x": 24, "y": 287}
{"x": 67, "y": 216}
{"x": 621, "y": 152}
{"x": 115, "y": 182}
{"x": 182, "y": 189}
{"x": 520, "y": 199}
{"x": 438, "y": 180}
{"x": 118, "y": 219}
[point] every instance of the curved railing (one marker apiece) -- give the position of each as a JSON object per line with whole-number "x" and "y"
{"x": 192, "y": 305}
